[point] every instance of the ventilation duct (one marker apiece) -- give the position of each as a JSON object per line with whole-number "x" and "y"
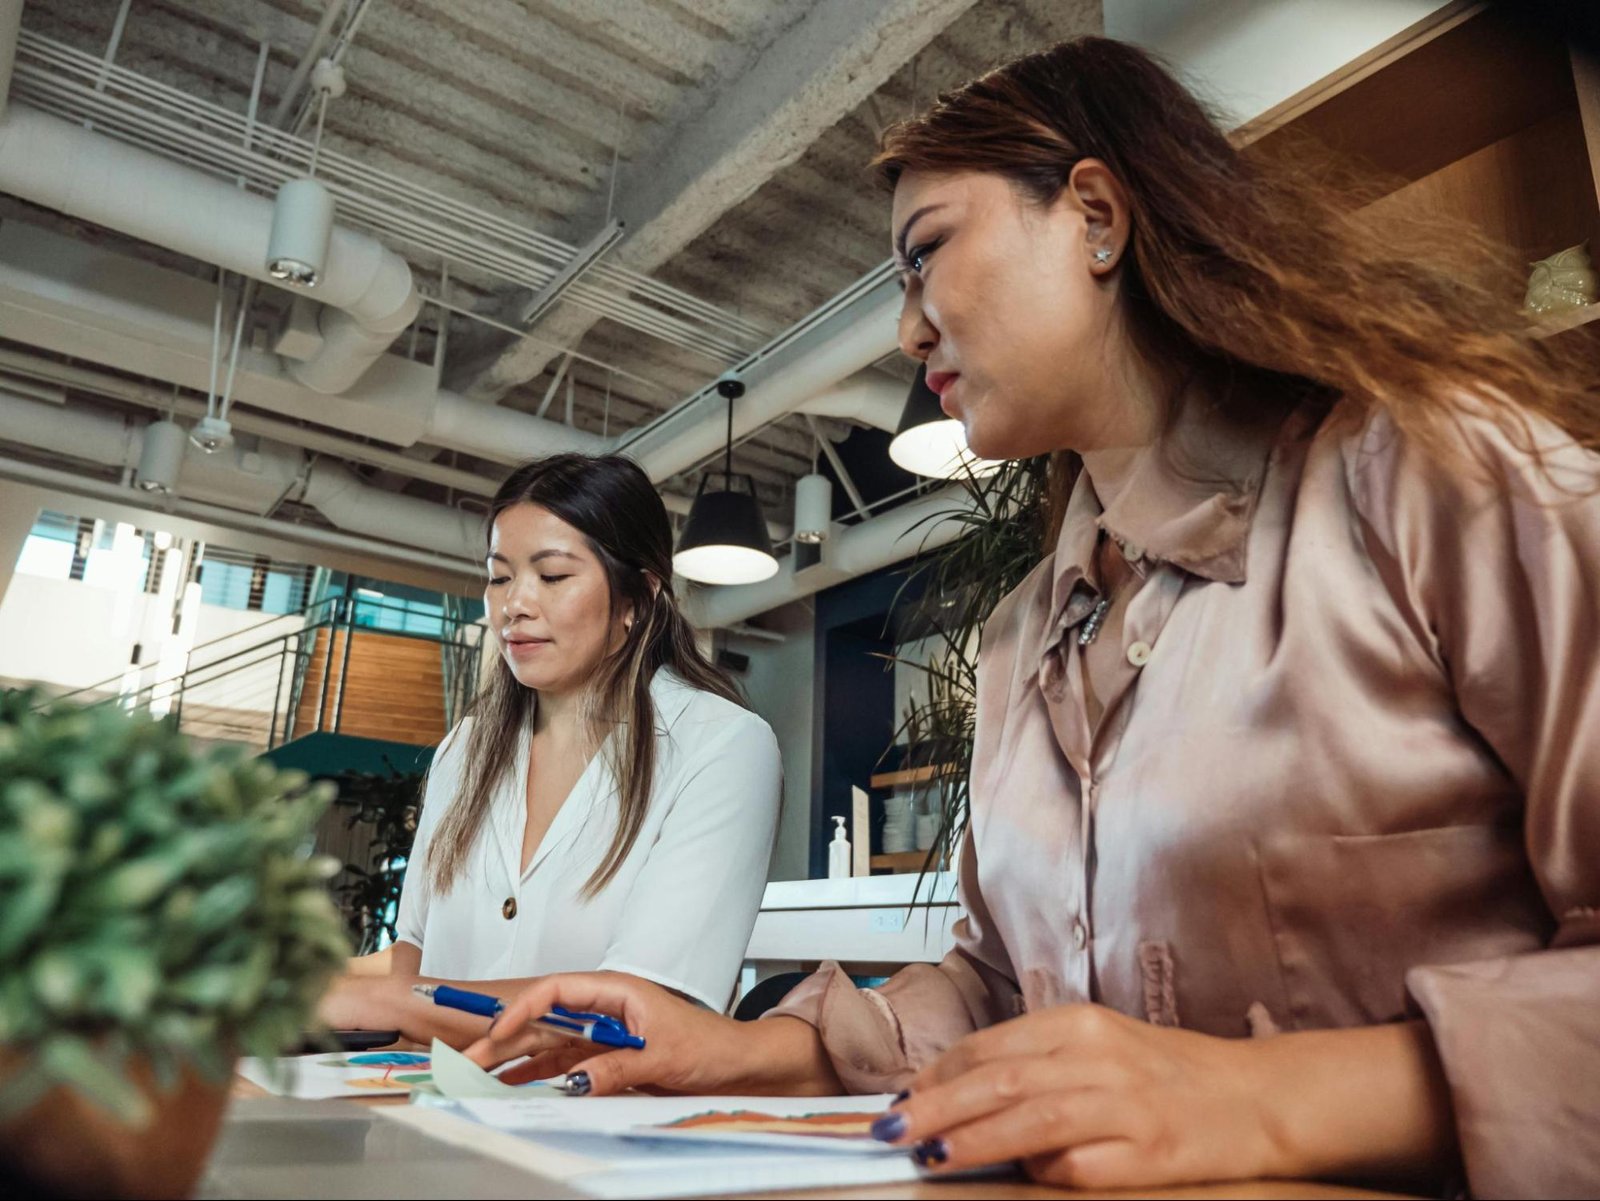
{"x": 367, "y": 291}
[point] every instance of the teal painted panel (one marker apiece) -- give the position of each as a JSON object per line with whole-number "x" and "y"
{"x": 324, "y": 754}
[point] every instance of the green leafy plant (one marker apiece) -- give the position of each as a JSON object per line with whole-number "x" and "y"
{"x": 369, "y": 892}
{"x": 962, "y": 582}
{"x": 156, "y": 905}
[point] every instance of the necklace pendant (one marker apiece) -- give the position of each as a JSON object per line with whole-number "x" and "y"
{"x": 1091, "y": 624}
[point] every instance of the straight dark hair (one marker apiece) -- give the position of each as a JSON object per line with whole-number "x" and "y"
{"x": 612, "y": 503}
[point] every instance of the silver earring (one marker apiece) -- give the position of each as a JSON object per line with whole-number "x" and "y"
{"x": 1103, "y": 255}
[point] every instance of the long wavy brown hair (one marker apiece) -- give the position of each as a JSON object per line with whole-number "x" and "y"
{"x": 1246, "y": 265}
{"x": 612, "y": 503}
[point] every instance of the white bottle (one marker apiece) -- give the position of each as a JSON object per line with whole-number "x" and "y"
{"x": 839, "y": 853}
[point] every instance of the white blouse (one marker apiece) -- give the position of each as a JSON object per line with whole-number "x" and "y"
{"x": 680, "y": 909}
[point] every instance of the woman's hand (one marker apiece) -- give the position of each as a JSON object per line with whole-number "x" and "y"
{"x": 1087, "y": 1098}
{"x": 687, "y": 1049}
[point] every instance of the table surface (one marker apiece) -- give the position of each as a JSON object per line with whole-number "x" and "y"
{"x": 494, "y": 1178}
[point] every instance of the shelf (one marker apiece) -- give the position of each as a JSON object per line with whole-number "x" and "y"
{"x": 902, "y": 861}
{"x": 915, "y": 775}
{"x": 1461, "y": 79}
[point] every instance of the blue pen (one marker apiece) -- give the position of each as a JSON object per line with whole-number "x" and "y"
{"x": 595, "y": 1027}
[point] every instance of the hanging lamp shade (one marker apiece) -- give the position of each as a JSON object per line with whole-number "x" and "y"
{"x": 725, "y": 539}
{"x": 928, "y": 443}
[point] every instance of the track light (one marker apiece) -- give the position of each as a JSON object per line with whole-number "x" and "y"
{"x": 302, "y": 224}
{"x": 161, "y": 456}
{"x": 813, "y": 508}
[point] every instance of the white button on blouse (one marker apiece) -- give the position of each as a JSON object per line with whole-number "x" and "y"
{"x": 680, "y": 909}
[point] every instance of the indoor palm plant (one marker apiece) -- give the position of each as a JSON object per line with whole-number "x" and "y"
{"x": 1007, "y": 524}
{"x": 160, "y": 914}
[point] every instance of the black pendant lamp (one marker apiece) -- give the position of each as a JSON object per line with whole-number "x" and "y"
{"x": 928, "y": 443}
{"x": 725, "y": 539}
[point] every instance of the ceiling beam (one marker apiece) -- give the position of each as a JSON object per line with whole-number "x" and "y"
{"x": 733, "y": 140}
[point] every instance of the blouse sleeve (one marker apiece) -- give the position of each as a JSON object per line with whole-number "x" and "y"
{"x": 878, "y": 1038}
{"x": 444, "y": 778}
{"x": 1500, "y": 559}
{"x": 687, "y": 919}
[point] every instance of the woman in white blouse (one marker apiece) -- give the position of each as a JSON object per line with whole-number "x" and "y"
{"x": 610, "y": 804}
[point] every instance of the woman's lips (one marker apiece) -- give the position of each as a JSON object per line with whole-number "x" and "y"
{"x": 522, "y": 648}
{"x": 940, "y": 381}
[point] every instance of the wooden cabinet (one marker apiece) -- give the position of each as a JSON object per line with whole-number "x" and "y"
{"x": 1470, "y": 114}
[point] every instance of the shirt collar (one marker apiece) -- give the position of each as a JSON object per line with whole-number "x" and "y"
{"x": 1188, "y": 500}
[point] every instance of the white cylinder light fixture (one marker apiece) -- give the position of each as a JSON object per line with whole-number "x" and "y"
{"x": 302, "y": 224}
{"x": 161, "y": 456}
{"x": 813, "y": 508}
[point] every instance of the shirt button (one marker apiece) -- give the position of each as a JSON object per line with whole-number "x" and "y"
{"x": 1139, "y": 654}
{"x": 509, "y": 909}
{"x": 1080, "y": 935}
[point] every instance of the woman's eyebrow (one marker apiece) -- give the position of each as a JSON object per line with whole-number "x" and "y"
{"x": 539, "y": 557}
{"x": 905, "y": 229}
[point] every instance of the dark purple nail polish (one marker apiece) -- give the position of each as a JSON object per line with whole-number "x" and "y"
{"x": 903, "y": 1095}
{"x": 889, "y": 1127}
{"x": 930, "y": 1151}
{"x": 577, "y": 1084}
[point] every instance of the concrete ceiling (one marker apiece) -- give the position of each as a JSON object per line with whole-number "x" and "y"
{"x": 730, "y": 136}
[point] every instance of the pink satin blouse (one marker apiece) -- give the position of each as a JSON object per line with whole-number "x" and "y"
{"x": 1347, "y": 772}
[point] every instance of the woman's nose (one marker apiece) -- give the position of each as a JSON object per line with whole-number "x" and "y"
{"x": 917, "y": 335}
{"x": 519, "y": 601}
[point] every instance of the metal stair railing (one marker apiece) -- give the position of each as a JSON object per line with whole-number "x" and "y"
{"x": 222, "y": 690}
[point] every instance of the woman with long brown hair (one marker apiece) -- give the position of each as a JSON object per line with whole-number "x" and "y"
{"x": 1284, "y": 852}
{"x": 610, "y": 802}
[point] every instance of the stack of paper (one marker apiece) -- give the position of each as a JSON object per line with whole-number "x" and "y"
{"x": 671, "y": 1146}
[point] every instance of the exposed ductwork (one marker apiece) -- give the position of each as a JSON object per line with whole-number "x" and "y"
{"x": 252, "y": 478}
{"x": 869, "y": 396}
{"x": 366, "y": 290}
{"x": 801, "y": 370}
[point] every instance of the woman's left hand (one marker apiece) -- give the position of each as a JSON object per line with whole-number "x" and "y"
{"x": 1087, "y": 1098}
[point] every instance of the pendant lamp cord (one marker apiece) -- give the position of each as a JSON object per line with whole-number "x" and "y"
{"x": 727, "y": 461}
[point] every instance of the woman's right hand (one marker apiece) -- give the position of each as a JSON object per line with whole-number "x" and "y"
{"x": 687, "y": 1049}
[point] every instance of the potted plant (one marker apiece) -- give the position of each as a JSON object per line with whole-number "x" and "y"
{"x": 380, "y": 813}
{"x": 160, "y": 914}
{"x": 1007, "y": 529}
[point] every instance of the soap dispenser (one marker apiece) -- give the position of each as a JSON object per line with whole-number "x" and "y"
{"x": 839, "y": 853}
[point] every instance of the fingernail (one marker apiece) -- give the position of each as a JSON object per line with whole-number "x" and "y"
{"x": 889, "y": 1127}
{"x": 930, "y": 1151}
{"x": 903, "y": 1095}
{"x": 577, "y": 1084}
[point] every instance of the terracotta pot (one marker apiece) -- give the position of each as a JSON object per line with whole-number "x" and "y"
{"x": 77, "y": 1149}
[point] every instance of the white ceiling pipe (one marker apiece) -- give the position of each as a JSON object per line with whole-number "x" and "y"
{"x": 10, "y": 25}
{"x": 247, "y": 421}
{"x": 59, "y": 165}
{"x": 352, "y": 504}
{"x": 80, "y": 300}
{"x": 847, "y": 342}
{"x": 344, "y": 551}
{"x": 868, "y": 396}
{"x": 499, "y": 434}
{"x": 877, "y": 542}
{"x": 251, "y": 478}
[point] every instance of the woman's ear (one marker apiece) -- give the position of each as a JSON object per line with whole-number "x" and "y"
{"x": 1095, "y": 192}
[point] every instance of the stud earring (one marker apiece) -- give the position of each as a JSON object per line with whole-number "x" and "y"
{"x": 1103, "y": 255}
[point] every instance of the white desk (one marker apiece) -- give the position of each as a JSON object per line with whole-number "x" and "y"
{"x": 866, "y": 923}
